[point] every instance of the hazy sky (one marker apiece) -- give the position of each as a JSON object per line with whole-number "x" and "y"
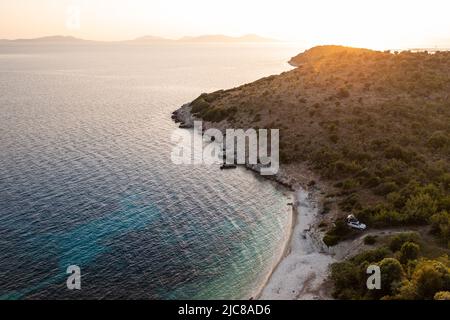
{"x": 377, "y": 23}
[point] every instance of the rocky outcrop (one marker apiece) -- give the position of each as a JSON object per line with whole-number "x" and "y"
{"x": 184, "y": 116}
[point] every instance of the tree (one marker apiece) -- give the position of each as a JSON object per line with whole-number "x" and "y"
{"x": 391, "y": 275}
{"x": 440, "y": 224}
{"x": 399, "y": 240}
{"x": 443, "y": 295}
{"x": 409, "y": 251}
{"x": 420, "y": 208}
{"x": 407, "y": 291}
{"x": 345, "y": 276}
{"x": 430, "y": 278}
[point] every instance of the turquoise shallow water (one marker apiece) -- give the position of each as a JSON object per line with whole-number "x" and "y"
{"x": 86, "y": 176}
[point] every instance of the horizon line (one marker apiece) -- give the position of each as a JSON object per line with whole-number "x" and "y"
{"x": 150, "y": 36}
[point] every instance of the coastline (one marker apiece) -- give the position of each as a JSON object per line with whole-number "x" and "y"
{"x": 284, "y": 253}
{"x": 301, "y": 272}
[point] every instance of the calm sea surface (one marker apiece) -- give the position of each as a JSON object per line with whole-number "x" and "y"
{"x": 86, "y": 177}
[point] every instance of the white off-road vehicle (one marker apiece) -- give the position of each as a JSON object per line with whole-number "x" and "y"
{"x": 354, "y": 223}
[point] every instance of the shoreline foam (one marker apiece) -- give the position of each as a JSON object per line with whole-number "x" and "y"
{"x": 284, "y": 253}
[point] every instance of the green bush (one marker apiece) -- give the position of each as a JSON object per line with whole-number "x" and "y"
{"x": 371, "y": 256}
{"x": 350, "y": 203}
{"x": 431, "y": 277}
{"x": 339, "y": 232}
{"x": 409, "y": 251}
{"x": 386, "y": 188}
{"x": 343, "y": 167}
{"x": 445, "y": 180}
{"x": 334, "y": 138}
{"x": 213, "y": 96}
{"x": 388, "y": 218}
{"x": 391, "y": 275}
{"x": 399, "y": 240}
{"x": 199, "y": 105}
{"x": 350, "y": 184}
{"x": 370, "y": 240}
{"x": 397, "y": 152}
{"x": 420, "y": 208}
{"x": 438, "y": 140}
{"x": 440, "y": 225}
{"x": 346, "y": 280}
{"x": 442, "y": 295}
{"x": 331, "y": 240}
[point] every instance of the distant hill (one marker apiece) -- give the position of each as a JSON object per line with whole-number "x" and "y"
{"x": 223, "y": 38}
{"x": 149, "y": 39}
{"x": 51, "y": 39}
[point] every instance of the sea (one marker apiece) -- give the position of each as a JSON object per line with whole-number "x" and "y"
{"x": 86, "y": 177}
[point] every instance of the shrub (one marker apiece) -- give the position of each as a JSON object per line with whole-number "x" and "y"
{"x": 199, "y": 105}
{"x": 386, "y": 188}
{"x": 343, "y": 93}
{"x": 409, "y": 251}
{"x": 407, "y": 291}
{"x": 371, "y": 256}
{"x": 343, "y": 167}
{"x": 443, "y": 295}
{"x": 445, "y": 180}
{"x": 420, "y": 208}
{"x": 214, "y": 115}
{"x": 370, "y": 240}
{"x": 331, "y": 240}
{"x": 440, "y": 225}
{"x": 438, "y": 140}
{"x": 257, "y": 118}
{"x": 399, "y": 240}
{"x": 334, "y": 138}
{"x": 213, "y": 96}
{"x": 324, "y": 157}
{"x": 339, "y": 232}
{"x": 397, "y": 152}
{"x": 350, "y": 184}
{"x": 431, "y": 277}
{"x": 385, "y": 217}
{"x": 391, "y": 275}
{"x": 345, "y": 276}
{"x": 350, "y": 203}
{"x": 373, "y": 182}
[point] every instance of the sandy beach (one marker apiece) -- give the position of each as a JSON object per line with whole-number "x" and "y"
{"x": 302, "y": 274}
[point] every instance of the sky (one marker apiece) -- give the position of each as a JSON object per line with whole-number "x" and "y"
{"x": 373, "y": 24}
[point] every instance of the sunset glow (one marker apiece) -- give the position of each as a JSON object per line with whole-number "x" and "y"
{"x": 374, "y": 24}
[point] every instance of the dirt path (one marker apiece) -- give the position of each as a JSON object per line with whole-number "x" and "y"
{"x": 352, "y": 247}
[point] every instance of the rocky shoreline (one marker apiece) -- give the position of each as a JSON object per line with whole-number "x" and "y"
{"x": 185, "y": 119}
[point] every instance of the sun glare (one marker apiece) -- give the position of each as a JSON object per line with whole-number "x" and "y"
{"x": 375, "y": 24}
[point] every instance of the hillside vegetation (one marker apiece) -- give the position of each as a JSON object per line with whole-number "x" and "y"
{"x": 405, "y": 273}
{"x": 376, "y": 127}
